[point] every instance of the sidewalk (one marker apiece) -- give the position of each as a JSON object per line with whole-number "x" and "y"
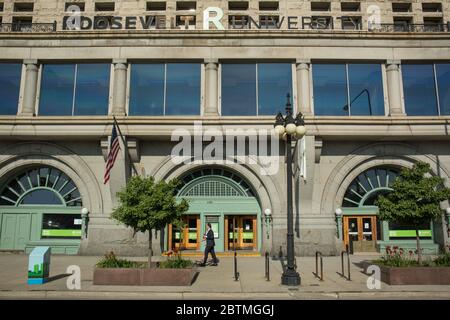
{"x": 211, "y": 283}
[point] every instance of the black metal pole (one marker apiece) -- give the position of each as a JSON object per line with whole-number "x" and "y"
{"x": 290, "y": 276}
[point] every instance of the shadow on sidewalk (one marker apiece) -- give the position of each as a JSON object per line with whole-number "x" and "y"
{"x": 57, "y": 277}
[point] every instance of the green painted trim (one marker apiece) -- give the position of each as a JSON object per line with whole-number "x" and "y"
{"x": 227, "y": 181}
{"x": 368, "y": 194}
{"x": 354, "y": 211}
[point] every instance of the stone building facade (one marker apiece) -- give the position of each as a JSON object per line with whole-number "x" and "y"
{"x": 342, "y": 151}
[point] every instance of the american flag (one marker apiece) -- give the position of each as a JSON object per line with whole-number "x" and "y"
{"x": 112, "y": 155}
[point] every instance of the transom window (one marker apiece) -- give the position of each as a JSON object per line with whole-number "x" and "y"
{"x": 41, "y": 186}
{"x": 368, "y": 186}
{"x": 214, "y": 182}
{"x": 252, "y": 89}
{"x": 74, "y": 89}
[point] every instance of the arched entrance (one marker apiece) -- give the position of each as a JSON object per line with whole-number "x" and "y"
{"x": 225, "y": 200}
{"x": 361, "y": 228}
{"x": 40, "y": 206}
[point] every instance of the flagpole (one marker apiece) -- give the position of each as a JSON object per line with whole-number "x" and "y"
{"x": 125, "y": 145}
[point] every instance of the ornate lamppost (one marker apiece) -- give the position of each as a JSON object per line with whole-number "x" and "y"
{"x": 290, "y": 128}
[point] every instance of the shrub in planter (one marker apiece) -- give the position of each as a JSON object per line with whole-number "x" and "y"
{"x": 111, "y": 261}
{"x": 176, "y": 263}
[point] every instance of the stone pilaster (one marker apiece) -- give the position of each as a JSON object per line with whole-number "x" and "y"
{"x": 30, "y": 88}
{"x": 303, "y": 89}
{"x": 211, "y": 87}
{"x": 120, "y": 87}
{"x": 394, "y": 88}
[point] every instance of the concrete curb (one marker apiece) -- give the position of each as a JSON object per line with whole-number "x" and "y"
{"x": 292, "y": 295}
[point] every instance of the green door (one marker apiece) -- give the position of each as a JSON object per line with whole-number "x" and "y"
{"x": 15, "y": 232}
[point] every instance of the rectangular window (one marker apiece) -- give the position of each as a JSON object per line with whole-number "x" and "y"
{"x": 268, "y": 6}
{"x": 238, "y": 22}
{"x": 348, "y": 89}
{"x": 78, "y": 4}
{"x": 401, "y": 7}
{"x": 185, "y": 22}
{"x": 9, "y": 87}
{"x": 443, "y": 82}
{"x": 433, "y": 24}
{"x": 61, "y": 226}
{"x": 350, "y": 6}
{"x": 351, "y": 23}
{"x": 238, "y": 5}
{"x": 1, "y": 6}
{"x": 165, "y": 89}
{"x": 419, "y": 90}
{"x": 255, "y": 89}
{"x": 105, "y": 6}
{"x": 269, "y": 22}
{"x": 426, "y": 88}
{"x": 74, "y": 89}
{"x": 432, "y": 7}
{"x": 23, "y": 7}
{"x": 402, "y": 24}
{"x": 156, "y": 6}
{"x": 22, "y": 23}
{"x": 186, "y": 5}
{"x": 320, "y": 6}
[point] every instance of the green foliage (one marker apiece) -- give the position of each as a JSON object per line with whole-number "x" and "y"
{"x": 396, "y": 257}
{"x": 110, "y": 261}
{"x": 443, "y": 260}
{"x": 176, "y": 263}
{"x": 146, "y": 204}
{"x": 415, "y": 196}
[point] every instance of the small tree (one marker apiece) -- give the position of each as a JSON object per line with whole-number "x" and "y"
{"x": 414, "y": 199}
{"x": 146, "y": 205}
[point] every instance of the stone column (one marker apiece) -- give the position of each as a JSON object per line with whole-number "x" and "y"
{"x": 303, "y": 96}
{"x": 120, "y": 87}
{"x": 394, "y": 88}
{"x": 30, "y": 88}
{"x": 211, "y": 87}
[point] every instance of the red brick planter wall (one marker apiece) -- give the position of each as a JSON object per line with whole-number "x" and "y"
{"x": 415, "y": 275}
{"x": 143, "y": 277}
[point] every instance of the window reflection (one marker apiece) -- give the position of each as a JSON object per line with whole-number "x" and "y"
{"x": 9, "y": 87}
{"x": 443, "y": 81}
{"x": 183, "y": 89}
{"x": 255, "y": 89}
{"x": 419, "y": 90}
{"x": 330, "y": 89}
{"x": 348, "y": 89}
{"x": 89, "y": 83}
{"x": 165, "y": 89}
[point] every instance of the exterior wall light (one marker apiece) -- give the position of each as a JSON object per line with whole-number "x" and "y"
{"x": 268, "y": 220}
{"x": 338, "y": 213}
{"x": 85, "y": 218}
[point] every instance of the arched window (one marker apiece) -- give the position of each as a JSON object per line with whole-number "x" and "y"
{"x": 214, "y": 182}
{"x": 368, "y": 186}
{"x": 41, "y": 186}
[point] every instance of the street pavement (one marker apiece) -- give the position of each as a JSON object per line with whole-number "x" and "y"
{"x": 212, "y": 282}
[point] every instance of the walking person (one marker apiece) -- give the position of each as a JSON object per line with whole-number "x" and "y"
{"x": 209, "y": 238}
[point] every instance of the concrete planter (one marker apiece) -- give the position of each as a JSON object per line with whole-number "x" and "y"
{"x": 415, "y": 275}
{"x": 143, "y": 277}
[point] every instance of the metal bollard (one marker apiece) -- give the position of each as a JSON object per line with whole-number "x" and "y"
{"x": 236, "y": 273}
{"x": 267, "y": 267}
{"x": 316, "y": 274}
{"x": 348, "y": 265}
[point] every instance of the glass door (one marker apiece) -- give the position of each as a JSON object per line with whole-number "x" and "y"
{"x": 361, "y": 230}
